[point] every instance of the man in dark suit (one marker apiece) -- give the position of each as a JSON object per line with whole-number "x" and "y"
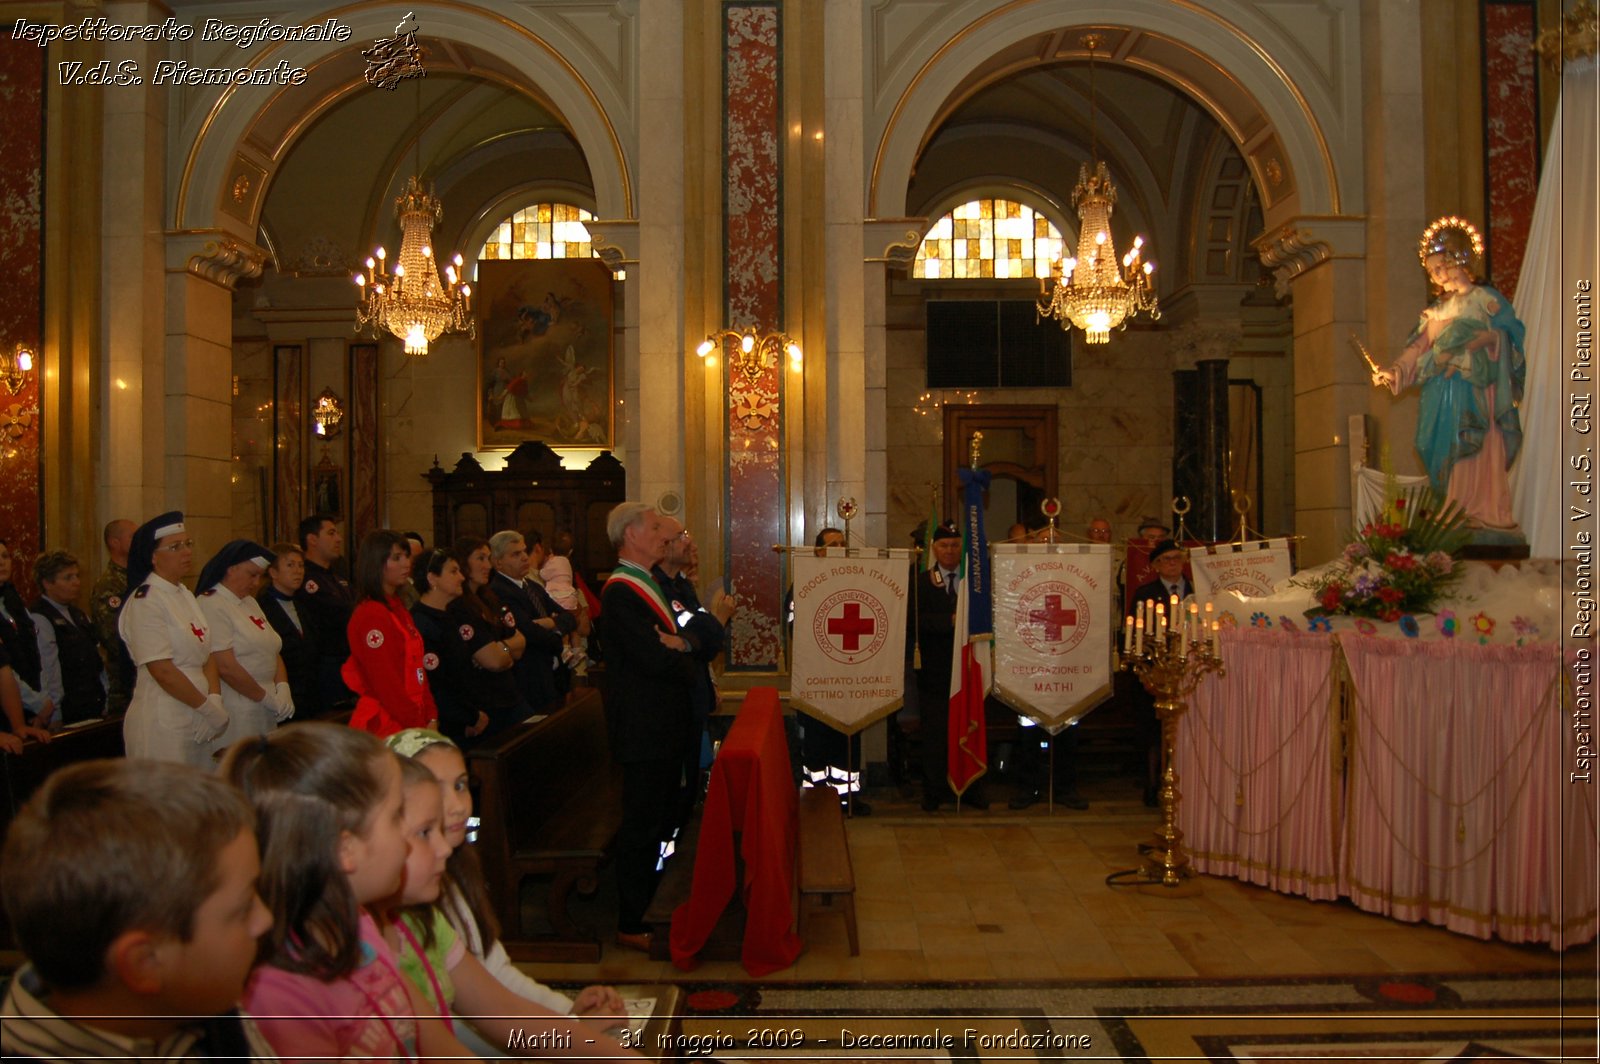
{"x": 706, "y": 631}
{"x": 936, "y": 626}
{"x": 294, "y": 626}
{"x": 1168, "y": 560}
{"x": 327, "y": 599}
{"x": 539, "y": 673}
{"x": 649, "y": 699}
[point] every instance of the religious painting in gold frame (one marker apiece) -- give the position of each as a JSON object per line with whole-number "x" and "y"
{"x": 544, "y": 353}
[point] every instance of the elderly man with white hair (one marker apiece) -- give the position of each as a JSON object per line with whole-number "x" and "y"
{"x": 649, "y": 699}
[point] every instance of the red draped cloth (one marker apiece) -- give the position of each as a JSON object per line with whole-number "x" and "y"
{"x": 751, "y": 794}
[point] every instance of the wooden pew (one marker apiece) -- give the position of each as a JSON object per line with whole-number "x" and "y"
{"x": 25, "y": 772}
{"x": 550, "y": 804}
{"x": 826, "y": 876}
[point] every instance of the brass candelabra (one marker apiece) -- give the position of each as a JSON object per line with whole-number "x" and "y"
{"x": 1170, "y": 660}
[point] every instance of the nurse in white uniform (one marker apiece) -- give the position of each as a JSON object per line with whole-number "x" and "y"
{"x": 244, "y": 647}
{"x": 176, "y": 713}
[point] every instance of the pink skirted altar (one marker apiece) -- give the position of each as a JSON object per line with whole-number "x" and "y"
{"x": 1421, "y": 769}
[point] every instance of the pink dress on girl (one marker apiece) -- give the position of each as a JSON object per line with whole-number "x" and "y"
{"x": 364, "y": 1014}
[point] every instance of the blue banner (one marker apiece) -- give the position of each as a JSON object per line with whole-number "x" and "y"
{"x": 980, "y": 610}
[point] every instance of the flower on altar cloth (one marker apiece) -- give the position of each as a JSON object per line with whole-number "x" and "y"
{"x": 1399, "y": 563}
{"x": 1226, "y": 619}
{"x": 1260, "y": 620}
{"x": 1322, "y": 623}
{"x": 1409, "y": 627}
{"x": 1524, "y": 628}
{"x": 1365, "y": 627}
{"x": 1287, "y": 625}
{"x": 1446, "y": 623}
{"x": 1483, "y": 624}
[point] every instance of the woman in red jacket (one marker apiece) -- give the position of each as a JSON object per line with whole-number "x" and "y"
{"x": 385, "y": 665}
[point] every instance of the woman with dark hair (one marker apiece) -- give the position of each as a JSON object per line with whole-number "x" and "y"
{"x": 297, "y": 632}
{"x": 385, "y": 667}
{"x": 255, "y": 683}
{"x": 488, "y": 631}
{"x": 177, "y": 712}
{"x": 438, "y": 581}
{"x": 21, "y": 642}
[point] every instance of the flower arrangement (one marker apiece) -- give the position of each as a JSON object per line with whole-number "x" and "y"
{"x": 1400, "y": 563}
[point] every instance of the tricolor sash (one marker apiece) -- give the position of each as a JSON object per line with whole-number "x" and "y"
{"x": 643, "y": 584}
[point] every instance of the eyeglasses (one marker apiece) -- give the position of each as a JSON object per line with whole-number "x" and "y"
{"x": 684, "y": 535}
{"x": 181, "y": 545}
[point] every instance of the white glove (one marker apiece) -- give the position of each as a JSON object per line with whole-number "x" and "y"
{"x": 283, "y": 701}
{"x": 210, "y": 720}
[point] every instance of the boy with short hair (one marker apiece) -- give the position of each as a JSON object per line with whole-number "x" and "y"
{"x": 131, "y": 888}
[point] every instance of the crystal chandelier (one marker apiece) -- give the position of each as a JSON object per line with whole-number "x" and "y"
{"x": 1093, "y": 291}
{"x": 412, "y": 302}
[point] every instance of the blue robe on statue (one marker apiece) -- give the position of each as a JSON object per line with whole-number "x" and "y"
{"x": 1467, "y": 357}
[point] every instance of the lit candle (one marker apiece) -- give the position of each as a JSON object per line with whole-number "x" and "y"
{"x": 1127, "y": 631}
{"x": 1216, "y": 640}
{"x": 1161, "y": 621}
{"x": 1138, "y": 637}
{"x": 1174, "y": 610}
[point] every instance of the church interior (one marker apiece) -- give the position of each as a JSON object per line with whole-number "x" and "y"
{"x": 864, "y": 208}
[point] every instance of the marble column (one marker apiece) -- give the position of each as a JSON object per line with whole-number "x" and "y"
{"x": 197, "y": 378}
{"x": 753, "y": 297}
{"x": 22, "y": 82}
{"x": 650, "y": 415}
{"x": 1200, "y": 447}
{"x": 1321, "y": 260}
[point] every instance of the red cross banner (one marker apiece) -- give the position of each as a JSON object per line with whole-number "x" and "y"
{"x": 1248, "y": 569}
{"x": 1053, "y": 628}
{"x": 849, "y": 640}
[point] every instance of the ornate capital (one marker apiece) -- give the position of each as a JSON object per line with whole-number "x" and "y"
{"x": 616, "y": 242}
{"x": 219, "y": 257}
{"x": 898, "y": 237}
{"x": 1301, "y": 243}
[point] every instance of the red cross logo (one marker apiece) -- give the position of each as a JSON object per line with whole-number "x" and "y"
{"x": 1053, "y": 617}
{"x": 430, "y": 661}
{"x": 374, "y": 639}
{"x": 311, "y": 587}
{"x": 199, "y": 633}
{"x": 852, "y": 626}
{"x": 259, "y": 623}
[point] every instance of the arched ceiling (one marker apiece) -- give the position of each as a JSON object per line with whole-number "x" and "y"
{"x": 1022, "y": 121}
{"x": 331, "y": 196}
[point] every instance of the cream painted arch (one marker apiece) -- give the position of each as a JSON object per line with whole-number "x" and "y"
{"x": 218, "y": 135}
{"x": 1275, "y": 92}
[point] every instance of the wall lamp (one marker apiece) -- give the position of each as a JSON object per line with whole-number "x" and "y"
{"x": 15, "y": 365}
{"x": 752, "y": 354}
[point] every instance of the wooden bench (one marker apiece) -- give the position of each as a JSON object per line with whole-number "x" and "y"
{"x": 21, "y": 774}
{"x": 550, "y": 804}
{"x": 827, "y": 882}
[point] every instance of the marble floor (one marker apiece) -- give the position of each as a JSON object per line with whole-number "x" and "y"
{"x": 1003, "y": 896}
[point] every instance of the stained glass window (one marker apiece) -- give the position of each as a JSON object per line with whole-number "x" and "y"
{"x": 542, "y": 231}
{"x": 989, "y": 238}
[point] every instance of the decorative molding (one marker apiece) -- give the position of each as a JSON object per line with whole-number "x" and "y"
{"x": 1573, "y": 38}
{"x": 226, "y": 261}
{"x": 1301, "y": 243}
{"x": 242, "y": 188}
{"x": 615, "y": 241}
{"x": 899, "y": 238}
{"x": 320, "y": 257}
{"x": 607, "y": 34}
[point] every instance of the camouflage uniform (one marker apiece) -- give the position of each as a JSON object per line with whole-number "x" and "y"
{"x": 104, "y": 607}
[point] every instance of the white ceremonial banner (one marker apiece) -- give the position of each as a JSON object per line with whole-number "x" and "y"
{"x": 848, "y": 668}
{"x": 1054, "y": 622}
{"x": 1251, "y": 569}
